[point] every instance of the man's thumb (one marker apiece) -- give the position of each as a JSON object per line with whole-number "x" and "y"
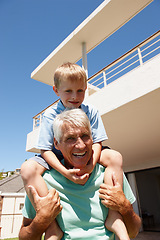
{"x": 33, "y": 191}
{"x": 114, "y": 179}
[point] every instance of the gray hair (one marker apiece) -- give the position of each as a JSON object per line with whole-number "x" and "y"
{"x": 74, "y": 117}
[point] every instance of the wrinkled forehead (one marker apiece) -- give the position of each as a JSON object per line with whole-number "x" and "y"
{"x": 74, "y": 129}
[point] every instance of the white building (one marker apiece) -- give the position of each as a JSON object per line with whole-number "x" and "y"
{"x": 12, "y": 196}
{"x": 127, "y": 94}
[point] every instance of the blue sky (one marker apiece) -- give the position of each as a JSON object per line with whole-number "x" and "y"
{"x": 29, "y": 31}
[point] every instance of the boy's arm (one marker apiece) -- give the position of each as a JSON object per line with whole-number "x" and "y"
{"x": 71, "y": 174}
{"x": 96, "y": 148}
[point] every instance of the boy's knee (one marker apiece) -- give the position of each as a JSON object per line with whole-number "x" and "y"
{"x": 114, "y": 158}
{"x": 28, "y": 169}
{"x": 117, "y": 159}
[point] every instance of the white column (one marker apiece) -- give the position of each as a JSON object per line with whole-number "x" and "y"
{"x": 84, "y": 62}
{"x": 84, "y": 58}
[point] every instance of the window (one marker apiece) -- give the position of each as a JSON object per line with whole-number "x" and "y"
{"x": 21, "y": 206}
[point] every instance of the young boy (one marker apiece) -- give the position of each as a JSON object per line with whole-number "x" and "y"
{"x": 70, "y": 83}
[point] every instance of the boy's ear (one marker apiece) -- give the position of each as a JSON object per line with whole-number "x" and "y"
{"x": 56, "y": 144}
{"x": 55, "y": 90}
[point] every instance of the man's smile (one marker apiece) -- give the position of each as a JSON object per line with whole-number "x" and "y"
{"x": 79, "y": 154}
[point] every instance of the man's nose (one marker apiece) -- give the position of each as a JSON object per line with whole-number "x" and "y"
{"x": 80, "y": 143}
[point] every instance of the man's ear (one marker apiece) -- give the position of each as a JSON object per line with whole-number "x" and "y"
{"x": 56, "y": 144}
{"x": 55, "y": 90}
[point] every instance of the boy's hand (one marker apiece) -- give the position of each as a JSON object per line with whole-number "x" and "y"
{"x": 75, "y": 176}
{"x": 88, "y": 169}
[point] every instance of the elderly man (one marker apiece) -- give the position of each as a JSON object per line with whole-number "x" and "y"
{"x": 83, "y": 214}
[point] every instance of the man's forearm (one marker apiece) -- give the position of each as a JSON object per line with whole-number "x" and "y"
{"x": 131, "y": 219}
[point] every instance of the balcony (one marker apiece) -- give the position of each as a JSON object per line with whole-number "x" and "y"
{"x": 126, "y": 92}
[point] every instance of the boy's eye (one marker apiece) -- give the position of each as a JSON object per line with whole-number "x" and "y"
{"x": 69, "y": 90}
{"x": 80, "y": 90}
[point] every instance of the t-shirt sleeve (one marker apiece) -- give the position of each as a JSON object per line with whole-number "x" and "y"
{"x": 128, "y": 191}
{"x": 46, "y": 135}
{"x": 28, "y": 210}
{"x": 97, "y": 127}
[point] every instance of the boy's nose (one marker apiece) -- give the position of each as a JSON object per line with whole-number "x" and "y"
{"x": 74, "y": 95}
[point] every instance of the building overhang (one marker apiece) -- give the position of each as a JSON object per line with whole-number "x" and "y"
{"x": 98, "y": 26}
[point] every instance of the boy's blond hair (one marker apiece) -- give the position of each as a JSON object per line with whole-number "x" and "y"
{"x": 69, "y": 71}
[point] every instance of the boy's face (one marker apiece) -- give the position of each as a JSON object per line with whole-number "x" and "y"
{"x": 71, "y": 93}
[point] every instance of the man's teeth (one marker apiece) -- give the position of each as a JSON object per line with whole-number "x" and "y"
{"x": 79, "y": 154}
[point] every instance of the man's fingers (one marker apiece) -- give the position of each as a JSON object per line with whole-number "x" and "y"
{"x": 103, "y": 185}
{"x": 114, "y": 180}
{"x": 53, "y": 196}
{"x": 52, "y": 191}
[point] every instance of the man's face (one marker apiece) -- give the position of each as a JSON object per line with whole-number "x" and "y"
{"x": 76, "y": 146}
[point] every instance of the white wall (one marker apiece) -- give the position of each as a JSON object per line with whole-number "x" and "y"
{"x": 131, "y": 86}
{"x": 11, "y": 218}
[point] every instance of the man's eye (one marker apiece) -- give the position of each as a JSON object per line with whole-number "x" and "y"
{"x": 85, "y": 137}
{"x": 71, "y": 140}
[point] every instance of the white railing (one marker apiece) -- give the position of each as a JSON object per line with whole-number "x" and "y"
{"x": 134, "y": 58}
{"x": 37, "y": 119}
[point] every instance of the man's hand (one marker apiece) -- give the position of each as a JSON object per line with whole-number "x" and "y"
{"x": 75, "y": 176}
{"x": 113, "y": 196}
{"x": 47, "y": 208}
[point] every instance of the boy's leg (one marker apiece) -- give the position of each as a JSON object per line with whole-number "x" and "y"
{"x": 31, "y": 173}
{"x": 112, "y": 160}
{"x": 53, "y": 232}
{"x": 114, "y": 223}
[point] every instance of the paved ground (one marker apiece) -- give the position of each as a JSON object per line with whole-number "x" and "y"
{"x": 148, "y": 236}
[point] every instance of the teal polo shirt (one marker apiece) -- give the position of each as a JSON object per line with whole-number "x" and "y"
{"x": 83, "y": 215}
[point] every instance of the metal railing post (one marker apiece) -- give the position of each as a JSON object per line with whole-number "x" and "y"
{"x": 40, "y": 119}
{"x": 104, "y": 79}
{"x": 34, "y": 123}
{"x": 140, "y": 56}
